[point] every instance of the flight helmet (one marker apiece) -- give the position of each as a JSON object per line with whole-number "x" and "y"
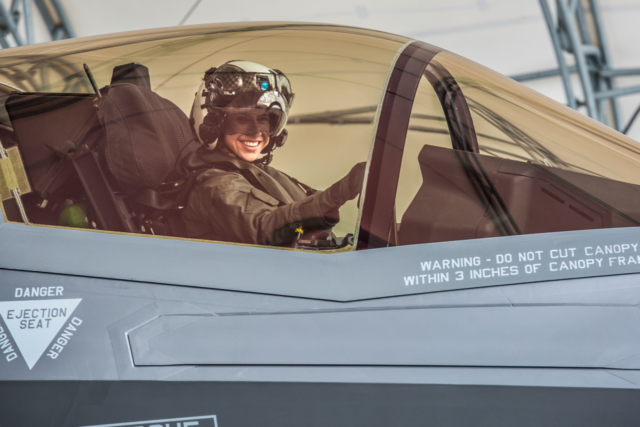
{"x": 236, "y": 85}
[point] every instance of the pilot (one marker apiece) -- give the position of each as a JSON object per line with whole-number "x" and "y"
{"x": 239, "y": 117}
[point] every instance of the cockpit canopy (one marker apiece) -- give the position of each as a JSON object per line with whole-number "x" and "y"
{"x": 454, "y": 151}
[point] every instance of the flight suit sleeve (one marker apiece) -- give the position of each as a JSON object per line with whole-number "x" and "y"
{"x": 236, "y": 211}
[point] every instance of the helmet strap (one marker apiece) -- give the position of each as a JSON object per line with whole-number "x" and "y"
{"x": 269, "y": 157}
{"x": 275, "y": 142}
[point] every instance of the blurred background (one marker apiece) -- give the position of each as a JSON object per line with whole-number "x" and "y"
{"x": 510, "y": 36}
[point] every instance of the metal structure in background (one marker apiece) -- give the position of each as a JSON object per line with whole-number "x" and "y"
{"x": 52, "y": 14}
{"x": 578, "y": 31}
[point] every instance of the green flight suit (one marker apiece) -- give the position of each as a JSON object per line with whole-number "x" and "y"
{"x": 241, "y": 202}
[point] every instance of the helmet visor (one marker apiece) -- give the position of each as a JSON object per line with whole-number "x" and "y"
{"x": 252, "y": 121}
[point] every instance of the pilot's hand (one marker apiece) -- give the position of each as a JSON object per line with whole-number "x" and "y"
{"x": 355, "y": 180}
{"x": 344, "y": 190}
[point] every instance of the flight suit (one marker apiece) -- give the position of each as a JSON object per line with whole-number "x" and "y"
{"x": 237, "y": 201}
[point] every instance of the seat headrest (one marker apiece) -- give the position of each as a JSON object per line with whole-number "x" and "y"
{"x": 133, "y": 73}
{"x": 146, "y": 135}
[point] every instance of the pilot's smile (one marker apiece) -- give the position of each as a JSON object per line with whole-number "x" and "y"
{"x": 251, "y": 143}
{"x": 246, "y": 147}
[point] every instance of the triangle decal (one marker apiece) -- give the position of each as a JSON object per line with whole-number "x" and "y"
{"x": 34, "y": 324}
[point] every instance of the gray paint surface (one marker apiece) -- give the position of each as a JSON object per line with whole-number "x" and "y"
{"x": 345, "y": 276}
{"x": 184, "y": 310}
{"x": 550, "y": 336}
{"x": 477, "y": 329}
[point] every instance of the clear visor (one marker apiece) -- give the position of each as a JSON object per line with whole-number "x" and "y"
{"x": 252, "y": 121}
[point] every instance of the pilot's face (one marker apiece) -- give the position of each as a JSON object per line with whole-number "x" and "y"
{"x": 247, "y": 133}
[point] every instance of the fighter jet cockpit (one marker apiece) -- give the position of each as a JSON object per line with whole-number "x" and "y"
{"x": 193, "y": 134}
{"x": 307, "y": 224}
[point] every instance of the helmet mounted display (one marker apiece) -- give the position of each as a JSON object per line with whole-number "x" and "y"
{"x": 238, "y": 85}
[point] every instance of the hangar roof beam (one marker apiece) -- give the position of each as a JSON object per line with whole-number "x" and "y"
{"x": 14, "y": 32}
{"x": 578, "y": 31}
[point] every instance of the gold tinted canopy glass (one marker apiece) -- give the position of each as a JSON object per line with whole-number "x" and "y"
{"x": 508, "y": 152}
{"x": 337, "y": 74}
{"x": 515, "y": 162}
{"x": 518, "y": 123}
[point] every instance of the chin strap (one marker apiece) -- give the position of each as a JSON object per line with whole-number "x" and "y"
{"x": 265, "y": 160}
{"x": 276, "y": 142}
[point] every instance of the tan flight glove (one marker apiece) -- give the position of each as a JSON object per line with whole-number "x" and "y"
{"x": 342, "y": 191}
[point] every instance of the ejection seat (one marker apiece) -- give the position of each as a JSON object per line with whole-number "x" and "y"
{"x": 117, "y": 151}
